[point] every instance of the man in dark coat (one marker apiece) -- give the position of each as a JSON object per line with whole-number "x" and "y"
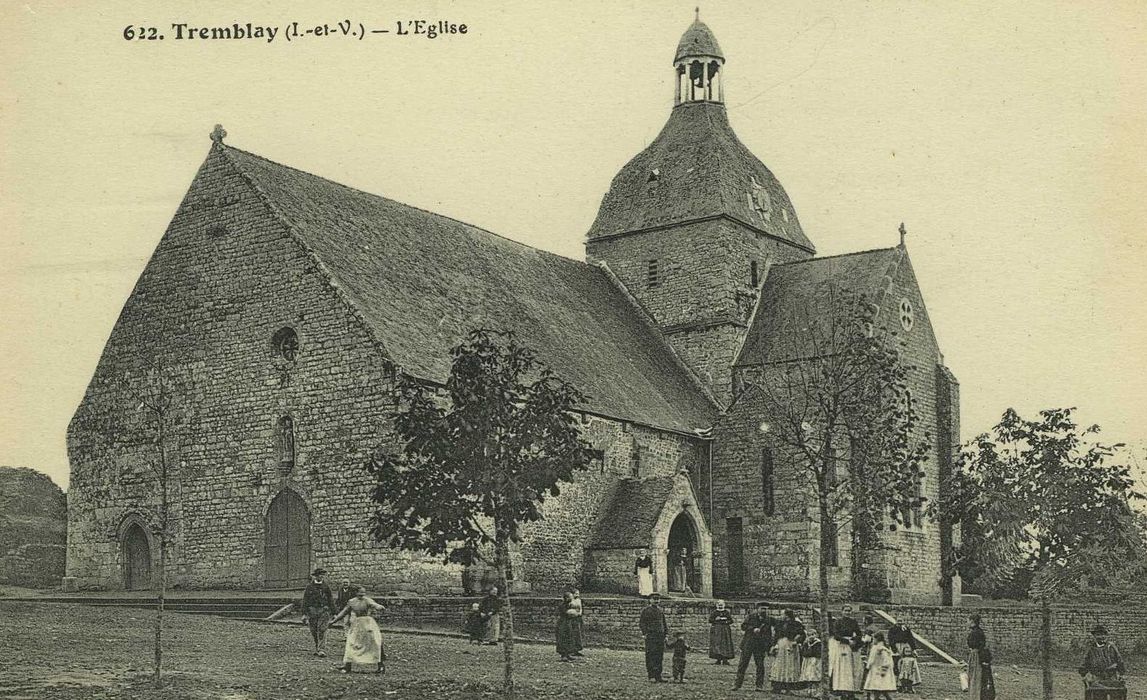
{"x": 655, "y": 631}
{"x": 344, "y": 595}
{"x": 755, "y": 643}
{"x": 318, "y": 609}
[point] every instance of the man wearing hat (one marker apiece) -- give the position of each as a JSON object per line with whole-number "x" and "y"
{"x": 655, "y": 631}
{"x": 1105, "y": 665}
{"x": 318, "y": 609}
{"x": 758, "y": 639}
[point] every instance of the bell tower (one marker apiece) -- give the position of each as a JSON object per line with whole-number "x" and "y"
{"x": 691, "y": 224}
{"x": 698, "y": 65}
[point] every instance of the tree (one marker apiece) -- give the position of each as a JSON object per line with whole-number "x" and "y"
{"x": 155, "y": 390}
{"x": 475, "y": 465}
{"x": 1056, "y": 495}
{"x": 841, "y": 411}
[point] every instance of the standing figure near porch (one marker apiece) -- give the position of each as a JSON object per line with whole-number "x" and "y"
{"x": 363, "y": 638}
{"x": 643, "y": 570}
{"x": 786, "y": 671}
{"x": 655, "y": 631}
{"x": 679, "y": 573}
{"x": 491, "y": 610}
{"x": 721, "y": 634}
{"x": 567, "y": 646}
{"x": 844, "y": 664}
{"x": 755, "y": 643}
{"x": 318, "y": 607}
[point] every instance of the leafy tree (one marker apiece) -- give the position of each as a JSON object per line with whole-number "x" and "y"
{"x": 1054, "y": 495}
{"x": 842, "y": 413}
{"x": 475, "y": 465}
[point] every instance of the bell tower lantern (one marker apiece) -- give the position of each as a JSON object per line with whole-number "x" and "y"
{"x": 698, "y": 64}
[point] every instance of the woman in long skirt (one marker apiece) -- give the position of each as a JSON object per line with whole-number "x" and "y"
{"x": 785, "y": 673}
{"x": 721, "y": 634}
{"x": 567, "y": 645}
{"x": 643, "y": 570}
{"x": 843, "y": 659}
{"x": 363, "y": 638}
{"x": 811, "y": 649}
{"x": 679, "y": 574}
{"x": 881, "y": 678}
{"x": 977, "y": 642}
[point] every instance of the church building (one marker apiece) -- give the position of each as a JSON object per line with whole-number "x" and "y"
{"x": 278, "y": 307}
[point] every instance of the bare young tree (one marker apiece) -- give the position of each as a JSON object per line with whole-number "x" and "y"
{"x": 155, "y": 389}
{"x": 835, "y": 401}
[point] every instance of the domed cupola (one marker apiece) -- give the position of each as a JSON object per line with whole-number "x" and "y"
{"x": 698, "y": 64}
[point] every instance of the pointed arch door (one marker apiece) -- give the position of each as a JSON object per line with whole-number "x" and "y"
{"x": 287, "y": 555}
{"x": 136, "y": 559}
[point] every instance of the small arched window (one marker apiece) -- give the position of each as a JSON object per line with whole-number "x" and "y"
{"x": 285, "y": 344}
{"x": 754, "y": 274}
{"x": 285, "y": 441}
{"x": 768, "y": 481}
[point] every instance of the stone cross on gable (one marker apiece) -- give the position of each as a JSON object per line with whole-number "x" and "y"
{"x": 903, "y": 233}
{"x": 218, "y": 134}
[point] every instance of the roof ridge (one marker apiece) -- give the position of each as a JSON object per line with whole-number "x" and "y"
{"x": 830, "y": 257}
{"x": 410, "y": 206}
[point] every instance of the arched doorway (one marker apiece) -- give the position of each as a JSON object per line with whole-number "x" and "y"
{"x": 136, "y": 559}
{"x": 287, "y": 556}
{"x": 684, "y": 547}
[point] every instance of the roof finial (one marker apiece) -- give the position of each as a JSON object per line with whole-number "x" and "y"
{"x": 696, "y": 14}
{"x": 218, "y": 134}
{"x": 903, "y": 233}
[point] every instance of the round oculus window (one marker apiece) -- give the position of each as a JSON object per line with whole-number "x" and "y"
{"x": 285, "y": 344}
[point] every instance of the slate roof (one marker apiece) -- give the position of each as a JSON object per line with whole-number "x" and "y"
{"x": 628, "y": 520}
{"x": 698, "y": 40}
{"x": 702, "y": 170}
{"x": 422, "y": 281}
{"x": 793, "y": 298}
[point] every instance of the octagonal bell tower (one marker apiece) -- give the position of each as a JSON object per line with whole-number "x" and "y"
{"x": 692, "y": 223}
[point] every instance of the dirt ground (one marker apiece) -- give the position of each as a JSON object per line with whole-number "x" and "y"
{"x": 82, "y": 653}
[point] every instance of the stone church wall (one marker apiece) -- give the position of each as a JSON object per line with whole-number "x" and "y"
{"x": 703, "y": 295}
{"x": 553, "y": 550}
{"x": 224, "y": 279}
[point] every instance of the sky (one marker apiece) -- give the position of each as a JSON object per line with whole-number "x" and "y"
{"x": 1009, "y": 137}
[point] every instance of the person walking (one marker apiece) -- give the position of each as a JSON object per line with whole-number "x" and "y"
{"x": 654, "y": 631}
{"x": 363, "y": 637}
{"x": 758, "y": 630}
{"x": 721, "y": 635}
{"x": 491, "y": 611}
{"x": 318, "y": 607}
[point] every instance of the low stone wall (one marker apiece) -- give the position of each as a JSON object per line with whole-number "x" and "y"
{"x": 1012, "y": 632}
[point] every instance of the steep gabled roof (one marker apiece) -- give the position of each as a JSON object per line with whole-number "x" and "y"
{"x": 422, "y": 281}
{"x": 628, "y": 520}
{"x": 697, "y": 168}
{"x": 796, "y": 302}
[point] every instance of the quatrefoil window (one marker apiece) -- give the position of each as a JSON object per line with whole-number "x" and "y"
{"x": 907, "y": 315}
